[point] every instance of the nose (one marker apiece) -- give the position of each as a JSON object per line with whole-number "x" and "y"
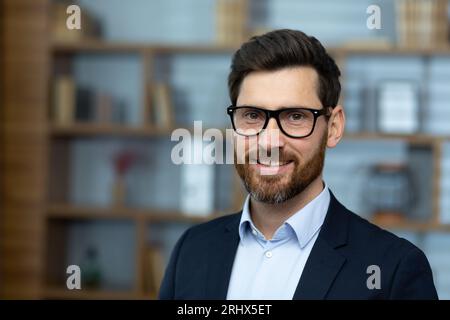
{"x": 271, "y": 137}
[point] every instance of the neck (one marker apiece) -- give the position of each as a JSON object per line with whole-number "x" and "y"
{"x": 269, "y": 217}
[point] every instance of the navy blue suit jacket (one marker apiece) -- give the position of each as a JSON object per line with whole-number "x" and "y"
{"x": 202, "y": 260}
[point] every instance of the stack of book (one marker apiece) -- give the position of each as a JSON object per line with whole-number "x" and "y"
{"x": 79, "y": 104}
{"x": 231, "y": 21}
{"x": 422, "y": 23}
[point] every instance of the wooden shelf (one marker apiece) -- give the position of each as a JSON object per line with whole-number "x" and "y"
{"x": 415, "y": 226}
{"x": 125, "y": 47}
{"x": 411, "y": 138}
{"x": 66, "y": 211}
{"x": 100, "y": 46}
{"x": 91, "y": 129}
{"x": 69, "y": 212}
{"x": 392, "y": 50}
{"x": 91, "y": 294}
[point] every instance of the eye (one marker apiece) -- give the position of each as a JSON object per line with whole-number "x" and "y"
{"x": 252, "y": 115}
{"x": 296, "y": 116}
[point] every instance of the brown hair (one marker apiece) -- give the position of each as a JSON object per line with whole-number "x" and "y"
{"x": 285, "y": 48}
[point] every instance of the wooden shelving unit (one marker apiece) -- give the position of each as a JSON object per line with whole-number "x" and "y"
{"x": 35, "y": 157}
{"x": 60, "y": 210}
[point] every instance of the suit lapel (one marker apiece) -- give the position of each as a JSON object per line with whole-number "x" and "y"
{"x": 321, "y": 269}
{"x": 324, "y": 262}
{"x": 221, "y": 259}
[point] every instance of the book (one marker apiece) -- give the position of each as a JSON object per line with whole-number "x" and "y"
{"x": 85, "y": 101}
{"x": 154, "y": 268}
{"x": 398, "y": 107}
{"x": 422, "y": 23}
{"x": 64, "y": 100}
{"x": 163, "y": 115}
{"x": 103, "y": 108}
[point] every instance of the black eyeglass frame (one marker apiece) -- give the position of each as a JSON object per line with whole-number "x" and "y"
{"x": 276, "y": 115}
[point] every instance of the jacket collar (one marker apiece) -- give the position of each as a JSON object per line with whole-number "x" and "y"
{"x": 303, "y": 224}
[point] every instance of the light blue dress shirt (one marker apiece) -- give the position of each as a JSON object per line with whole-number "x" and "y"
{"x": 271, "y": 269}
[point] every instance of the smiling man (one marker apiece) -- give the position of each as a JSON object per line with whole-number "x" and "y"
{"x": 292, "y": 239}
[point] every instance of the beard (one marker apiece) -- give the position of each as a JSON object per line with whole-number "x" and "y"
{"x": 278, "y": 188}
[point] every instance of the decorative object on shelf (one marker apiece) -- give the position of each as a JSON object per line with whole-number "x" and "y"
{"x": 389, "y": 191}
{"x": 91, "y": 273}
{"x": 63, "y": 112}
{"x": 398, "y": 107}
{"x": 197, "y": 183}
{"x": 123, "y": 160}
{"x": 422, "y": 23}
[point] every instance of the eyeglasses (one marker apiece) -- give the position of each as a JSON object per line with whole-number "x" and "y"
{"x": 293, "y": 122}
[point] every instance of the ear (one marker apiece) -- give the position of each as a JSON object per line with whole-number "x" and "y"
{"x": 336, "y": 126}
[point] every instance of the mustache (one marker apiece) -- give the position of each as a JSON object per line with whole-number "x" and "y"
{"x": 270, "y": 154}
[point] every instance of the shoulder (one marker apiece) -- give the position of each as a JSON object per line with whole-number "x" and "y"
{"x": 212, "y": 228}
{"x": 406, "y": 272}
{"x": 367, "y": 237}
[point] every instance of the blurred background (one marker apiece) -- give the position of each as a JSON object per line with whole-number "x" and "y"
{"x": 87, "y": 114}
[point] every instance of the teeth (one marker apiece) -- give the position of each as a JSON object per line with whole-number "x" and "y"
{"x": 274, "y": 164}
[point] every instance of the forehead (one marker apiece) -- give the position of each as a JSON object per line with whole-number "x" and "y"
{"x": 294, "y": 86}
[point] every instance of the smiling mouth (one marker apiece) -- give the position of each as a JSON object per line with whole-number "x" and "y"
{"x": 274, "y": 164}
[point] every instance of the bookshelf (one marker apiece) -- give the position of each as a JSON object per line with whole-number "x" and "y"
{"x": 65, "y": 211}
{"x": 58, "y": 213}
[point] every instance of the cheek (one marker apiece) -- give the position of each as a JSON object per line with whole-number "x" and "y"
{"x": 304, "y": 149}
{"x": 299, "y": 148}
{"x": 245, "y": 147}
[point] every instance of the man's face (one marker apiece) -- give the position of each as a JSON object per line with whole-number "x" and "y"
{"x": 300, "y": 160}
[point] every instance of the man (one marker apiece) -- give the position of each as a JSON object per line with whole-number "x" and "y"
{"x": 292, "y": 239}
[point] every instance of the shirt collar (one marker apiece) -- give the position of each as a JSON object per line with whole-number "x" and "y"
{"x": 305, "y": 223}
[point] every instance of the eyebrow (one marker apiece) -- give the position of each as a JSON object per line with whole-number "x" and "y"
{"x": 282, "y": 108}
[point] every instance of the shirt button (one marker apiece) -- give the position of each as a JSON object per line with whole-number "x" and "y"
{"x": 268, "y": 254}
